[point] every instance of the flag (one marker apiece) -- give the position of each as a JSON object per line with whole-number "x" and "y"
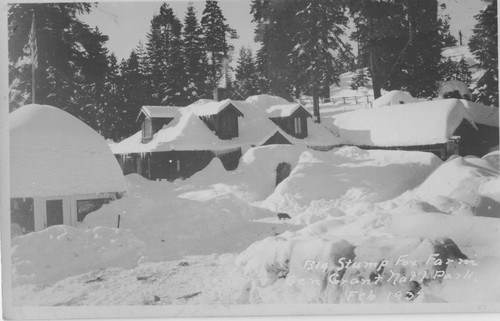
{"x": 33, "y": 44}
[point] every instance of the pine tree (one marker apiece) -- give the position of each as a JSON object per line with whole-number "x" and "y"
{"x": 132, "y": 91}
{"x": 70, "y": 55}
{"x": 165, "y": 59}
{"x": 455, "y": 70}
{"x": 447, "y": 39}
{"x": 402, "y": 43}
{"x": 484, "y": 45}
{"x": 216, "y": 33}
{"x": 195, "y": 57}
{"x": 275, "y": 30}
{"x": 319, "y": 49}
{"x": 248, "y": 80}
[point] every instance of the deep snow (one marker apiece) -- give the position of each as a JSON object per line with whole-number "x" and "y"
{"x": 214, "y": 234}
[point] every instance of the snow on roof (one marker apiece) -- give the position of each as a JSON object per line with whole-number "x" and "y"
{"x": 453, "y": 85}
{"x": 207, "y": 108}
{"x": 187, "y": 132}
{"x": 481, "y": 114}
{"x": 283, "y": 110}
{"x": 53, "y": 153}
{"x": 394, "y": 97}
{"x": 161, "y": 111}
{"x": 266, "y": 101}
{"x": 424, "y": 123}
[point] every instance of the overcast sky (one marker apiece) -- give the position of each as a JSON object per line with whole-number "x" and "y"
{"x": 128, "y": 22}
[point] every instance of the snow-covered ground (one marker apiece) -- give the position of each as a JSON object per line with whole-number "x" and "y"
{"x": 215, "y": 238}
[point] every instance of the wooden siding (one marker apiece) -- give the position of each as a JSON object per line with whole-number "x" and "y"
{"x": 288, "y": 125}
{"x": 225, "y": 123}
{"x": 277, "y": 138}
{"x": 172, "y": 165}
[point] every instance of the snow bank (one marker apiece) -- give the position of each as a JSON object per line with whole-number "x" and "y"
{"x": 348, "y": 176}
{"x": 379, "y": 258}
{"x": 455, "y": 187}
{"x": 44, "y": 257}
{"x": 394, "y": 97}
{"x": 53, "y": 153}
{"x": 173, "y": 222}
{"x": 424, "y": 123}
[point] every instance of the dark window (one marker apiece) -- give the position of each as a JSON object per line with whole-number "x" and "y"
{"x": 22, "y": 215}
{"x": 55, "y": 212}
{"x": 85, "y": 207}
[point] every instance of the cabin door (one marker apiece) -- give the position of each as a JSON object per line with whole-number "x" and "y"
{"x": 55, "y": 212}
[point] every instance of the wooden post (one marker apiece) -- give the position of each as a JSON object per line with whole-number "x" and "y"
{"x": 118, "y": 225}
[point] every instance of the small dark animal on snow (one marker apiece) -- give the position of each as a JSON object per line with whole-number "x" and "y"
{"x": 283, "y": 216}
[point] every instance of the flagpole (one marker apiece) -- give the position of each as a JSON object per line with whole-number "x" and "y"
{"x": 34, "y": 58}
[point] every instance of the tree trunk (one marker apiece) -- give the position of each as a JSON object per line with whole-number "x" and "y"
{"x": 316, "y": 103}
{"x": 375, "y": 79}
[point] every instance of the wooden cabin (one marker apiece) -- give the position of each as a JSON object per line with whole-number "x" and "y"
{"x": 486, "y": 119}
{"x": 61, "y": 169}
{"x": 291, "y": 118}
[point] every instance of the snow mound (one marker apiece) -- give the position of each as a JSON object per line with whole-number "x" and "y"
{"x": 394, "y": 97}
{"x": 173, "y": 220}
{"x": 455, "y": 187}
{"x": 53, "y": 153}
{"x": 265, "y": 101}
{"x": 45, "y": 257}
{"x": 450, "y": 86}
{"x": 348, "y": 176}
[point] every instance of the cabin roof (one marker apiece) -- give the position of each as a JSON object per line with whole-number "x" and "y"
{"x": 286, "y": 110}
{"x": 481, "y": 114}
{"x": 416, "y": 124}
{"x": 52, "y": 153}
{"x": 208, "y": 108}
{"x": 159, "y": 112}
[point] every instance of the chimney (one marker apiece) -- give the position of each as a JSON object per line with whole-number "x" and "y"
{"x": 221, "y": 92}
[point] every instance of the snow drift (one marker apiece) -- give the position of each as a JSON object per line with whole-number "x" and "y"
{"x": 44, "y": 257}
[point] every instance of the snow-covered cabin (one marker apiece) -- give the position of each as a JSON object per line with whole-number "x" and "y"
{"x": 190, "y": 137}
{"x": 292, "y": 118}
{"x": 60, "y": 169}
{"x": 178, "y": 149}
{"x": 443, "y": 127}
{"x": 394, "y": 97}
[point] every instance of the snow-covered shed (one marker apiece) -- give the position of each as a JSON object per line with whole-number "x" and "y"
{"x": 443, "y": 127}
{"x": 60, "y": 169}
{"x": 394, "y": 97}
